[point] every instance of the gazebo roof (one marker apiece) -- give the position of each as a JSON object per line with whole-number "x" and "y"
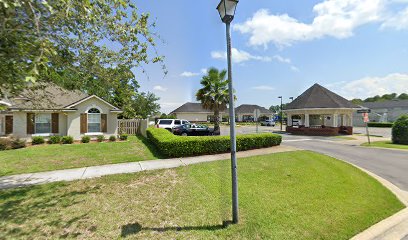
{"x": 319, "y": 97}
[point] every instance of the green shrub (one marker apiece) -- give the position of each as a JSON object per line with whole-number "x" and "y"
{"x": 67, "y": 140}
{"x": 175, "y": 146}
{"x": 37, "y": 140}
{"x": 400, "y": 130}
{"x": 54, "y": 140}
{"x": 112, "y": 139}
{"x": 123, "y": 137}
{"x": 381, "y": 125}
{"x": 5, "y": 144}
{"x": 17, "y": 143}
{"x": 85, "y": 139}
{"x": 100, "y": 138}
{"x": 11, "y": 143}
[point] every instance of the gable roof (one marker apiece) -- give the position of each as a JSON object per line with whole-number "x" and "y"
{"x": 248, "y": 108}
{"x": 50, "y": 97}
{"x": 191, "y": 107}
{"x": 89, "y": 97}
{"x": 319, "y": 97}
{"x": 4, "y": 102}
{"x": 386, "y": 104}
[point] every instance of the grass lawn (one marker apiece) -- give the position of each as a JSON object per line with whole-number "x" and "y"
{"x": 293, "y": 195}
{"x": 54, "y": 157}
{"x": 385, "y": 144}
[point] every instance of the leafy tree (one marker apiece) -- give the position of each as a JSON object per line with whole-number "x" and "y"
{"x": 357, "y": 101}
{"x": 403, "y": 96}
{"x": 214, "y": 94}
{"x": 146, "y": 105}
{"x": 78, "y": 42}
{"x": 400, "y": 130}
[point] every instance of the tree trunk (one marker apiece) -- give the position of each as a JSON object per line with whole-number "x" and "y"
{"x": 217, "y": 130}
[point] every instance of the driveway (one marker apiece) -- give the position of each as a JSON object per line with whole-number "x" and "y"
{"x": 389, "y": 164}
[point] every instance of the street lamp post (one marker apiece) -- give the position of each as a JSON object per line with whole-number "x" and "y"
{"x": 281, "y": 114}
{"x": 226, "y": 9}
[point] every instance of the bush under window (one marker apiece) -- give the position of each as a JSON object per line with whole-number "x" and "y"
{"x": 67, "y": 140}
{"x": 37, "y": 140}
{"x": 85, "y": 139}
{"x": 54, "y": 140}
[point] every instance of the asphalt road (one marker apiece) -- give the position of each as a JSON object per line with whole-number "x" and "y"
{"x": 389, "y": 164}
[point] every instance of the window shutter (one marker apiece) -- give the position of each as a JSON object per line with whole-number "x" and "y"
{"x": 55, "y": 123}
{"x": 84, "y": 123}
{"x": 104, "y": 123}
{"x": 30, "y": 123}
{"x": 9, "y": 124}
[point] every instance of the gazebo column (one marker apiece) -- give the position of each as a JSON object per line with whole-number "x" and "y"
{"x": 307, "y": 124}
{"x": 335, "y": 117}
{"x": 345, "y": 120}
{"x": 289, "y": 121}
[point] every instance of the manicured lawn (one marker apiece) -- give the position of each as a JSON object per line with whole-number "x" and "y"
{"x": 294, "y": 195}
{"x": 54, "y": 157}
{"x": 385, "y": 144}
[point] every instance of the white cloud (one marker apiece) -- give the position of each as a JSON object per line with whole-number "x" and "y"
{"x": 204, "y": 70}
{"x": 371, "y": 86}
{"x": 263, "y": 88}
{"x": 189, "y": 74}
{"x": 398, "y": 21}
{"x": 159, "y": 88}
{"x": 282, "y": 59}
{"x": 239, "y": 56}
{"x": 334, "y": 18}
{"x": 295, "y": 69}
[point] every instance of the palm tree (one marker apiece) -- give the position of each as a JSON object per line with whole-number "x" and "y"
{"x": 214, "y": 94}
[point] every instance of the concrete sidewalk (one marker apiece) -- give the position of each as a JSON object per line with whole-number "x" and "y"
{"x": 98, "y": 171}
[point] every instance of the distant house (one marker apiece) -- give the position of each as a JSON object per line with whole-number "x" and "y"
{"x": 195, "y": 112}
{"x": 318, "y": 111}
{"x": 56, "y": 111}
{"x": 246, "y": 113}
{"x": 384, "y": 111}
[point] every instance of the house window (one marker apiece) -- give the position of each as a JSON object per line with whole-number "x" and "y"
{"x": 43, "y": 123}
{"x": 94, "y": 120}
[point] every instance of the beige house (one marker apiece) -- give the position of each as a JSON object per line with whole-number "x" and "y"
{"x": 318, "y": 111}
{"x": 194, "y": 112}
{"x": 56, "y": 111}
{"x": 246, "y": 113}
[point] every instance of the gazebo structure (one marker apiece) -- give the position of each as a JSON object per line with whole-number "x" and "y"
{"x": 320, "y": 112}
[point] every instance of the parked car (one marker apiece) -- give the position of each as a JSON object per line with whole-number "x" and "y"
{"x": 268, "y": 123}
{"x": 169, "y": 124}
{"x": 193, "y": 130}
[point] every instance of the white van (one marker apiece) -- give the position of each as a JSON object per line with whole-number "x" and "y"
{"x": 169, "y": 124}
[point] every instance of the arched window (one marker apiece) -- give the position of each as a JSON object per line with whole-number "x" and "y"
{"x": 94, "y": 120}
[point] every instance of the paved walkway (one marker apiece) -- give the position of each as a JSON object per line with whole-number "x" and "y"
{"x": 98, "y": 171}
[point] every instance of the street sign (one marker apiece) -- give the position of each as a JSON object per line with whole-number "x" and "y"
{"x": 365, "y": 117}
{"x": 366, "y": 110}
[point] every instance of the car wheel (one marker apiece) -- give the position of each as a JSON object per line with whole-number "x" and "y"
{"x": 184, "y": 134}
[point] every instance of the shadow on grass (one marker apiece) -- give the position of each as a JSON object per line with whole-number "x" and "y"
{"x": 152, "y": 148}
{"x": 135, "y": 228}
{"x": 21, "y": 207}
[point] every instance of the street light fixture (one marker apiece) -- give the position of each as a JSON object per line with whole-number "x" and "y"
{"x": 226, "y": 9}
{"x": 291, "y": 99}
{"x": 281, "y": 114}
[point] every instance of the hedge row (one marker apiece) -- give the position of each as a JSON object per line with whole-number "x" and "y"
{"x": 400, "y": 130}
{"x": 379, "y": 124}
{"x": 176, "y": 146}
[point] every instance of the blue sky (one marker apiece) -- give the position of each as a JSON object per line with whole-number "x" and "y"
{"x": 356, "y": 48}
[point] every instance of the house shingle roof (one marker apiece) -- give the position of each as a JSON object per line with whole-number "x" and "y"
{"x": 319, "y": 97}
{"x": 386, "y": 104}
{"x": 49, "y": 97}
{"x": 192, "y": 108}
{"x": 248, "y": 108}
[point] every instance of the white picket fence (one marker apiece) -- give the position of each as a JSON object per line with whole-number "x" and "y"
{"x": 132, "y": 126}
